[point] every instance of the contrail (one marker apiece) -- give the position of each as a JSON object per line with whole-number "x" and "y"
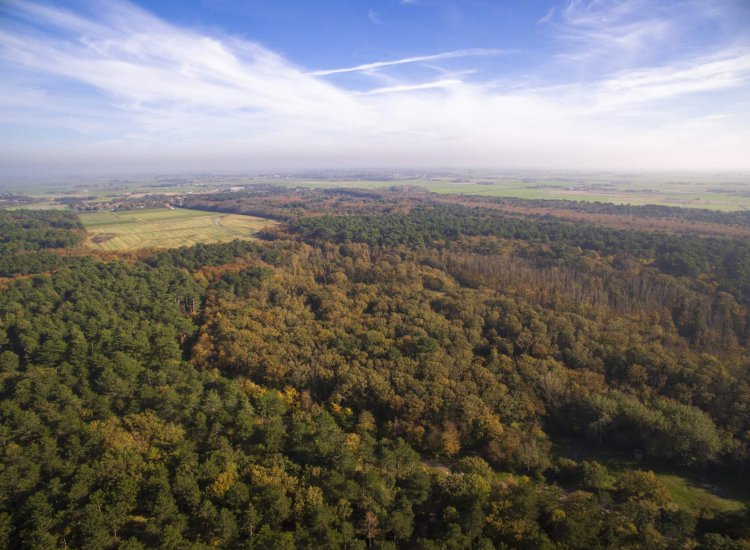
{"x": 405, "y": 60}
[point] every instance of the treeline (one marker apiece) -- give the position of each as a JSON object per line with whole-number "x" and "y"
{"x": 15, "y": 200}
{"x": 200, "y": 255}
{"x": 285, "y": 204}
{"x": 738, "y": 218}
{"x": 32, "y": 230}
{"x": 584, "y": 282}
{"x": 263, "y": 203}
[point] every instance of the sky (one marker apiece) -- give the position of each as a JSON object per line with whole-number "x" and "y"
{"x": 109, "y": 86}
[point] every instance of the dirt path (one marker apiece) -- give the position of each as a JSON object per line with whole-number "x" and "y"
{"x": 443, "y": 467}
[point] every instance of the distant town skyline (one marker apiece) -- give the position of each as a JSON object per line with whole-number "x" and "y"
{"x": 112, "y": 86}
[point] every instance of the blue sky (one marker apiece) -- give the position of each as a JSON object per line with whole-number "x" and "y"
{"x": 112, "y": 86}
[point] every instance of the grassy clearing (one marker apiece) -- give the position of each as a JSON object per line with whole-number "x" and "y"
{"x": 44, "y": 205}
{"x": 701, "y": 493}
{"x": 165, "y": 228}
{"x": 702, "y": 496}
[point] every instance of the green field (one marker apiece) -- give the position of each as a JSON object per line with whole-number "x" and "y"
{"x": 165, "y": 228}
{"x": 713, "y": 193}
{"x": 698, "y": 492}
{"x": 716, "y": 191}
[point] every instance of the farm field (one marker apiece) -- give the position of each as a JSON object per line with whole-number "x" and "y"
{"x": 712, "y": 193}
{"x": 730, "y": 191}
{"x": 164, "y": 228}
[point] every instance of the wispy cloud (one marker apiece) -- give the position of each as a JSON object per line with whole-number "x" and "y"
{"x": 597, "y": 29}
{"x": 726, "y": 70}
{"x": 415, "y": 59}
{"x": 438, "y": 84}
{"x": 120, "y": 85}
{"x": 615, "y": 34}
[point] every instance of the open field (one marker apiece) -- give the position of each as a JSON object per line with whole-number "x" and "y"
{"x": 711, "y": 193}
{"x": 164, "y": 228}
{"x": 41, "y": 205}
{"x": 702, "y": 496}
{"x": 730, "y": 191}
{"x": 690, "y": 489}
{"x": 718, "y": 191}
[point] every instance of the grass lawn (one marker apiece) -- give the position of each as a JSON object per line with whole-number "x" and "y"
{"x": 691, "y": 490}
{"x": 697, "y": 495}
{"x": 165, "y": 228}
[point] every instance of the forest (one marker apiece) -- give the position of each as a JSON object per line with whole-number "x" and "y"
{"x": 382, "y": 370}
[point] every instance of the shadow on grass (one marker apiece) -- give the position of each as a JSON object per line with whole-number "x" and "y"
{"x": 704, "y": 491}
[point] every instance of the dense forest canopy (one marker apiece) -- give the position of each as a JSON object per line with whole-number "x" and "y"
{"x": 283, "y": 204}
{"x": 408, "y": 375}
{"x": 28, "y": 239}
{"x": 735, "y": 217}
{"x": 727, "y": 261}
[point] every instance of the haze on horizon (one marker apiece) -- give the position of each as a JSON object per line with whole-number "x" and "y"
{"x": 111, "y": 86}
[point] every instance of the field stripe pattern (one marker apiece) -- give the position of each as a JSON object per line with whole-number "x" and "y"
{"x": 166, "y": 228}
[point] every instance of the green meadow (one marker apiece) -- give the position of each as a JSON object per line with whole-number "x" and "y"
{"x": 700, "y": 492}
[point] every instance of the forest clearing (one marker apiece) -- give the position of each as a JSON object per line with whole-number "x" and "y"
{"x": 165, "y": 228}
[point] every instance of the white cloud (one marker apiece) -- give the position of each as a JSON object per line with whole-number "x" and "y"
{"x": 609, "y": 31}
{"x": 446, "y": 83}
{"x": 123, "y": 88}
{"x": 722, "y": 71}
